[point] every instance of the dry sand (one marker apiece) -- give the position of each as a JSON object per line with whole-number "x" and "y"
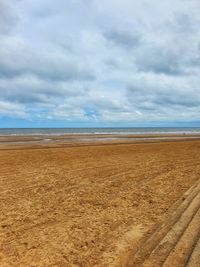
{"x": 87, "y": 205}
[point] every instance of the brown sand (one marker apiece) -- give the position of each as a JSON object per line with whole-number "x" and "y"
{"x": 87, "y": 205}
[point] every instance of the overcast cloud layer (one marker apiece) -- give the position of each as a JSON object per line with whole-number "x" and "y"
{"x": 96, "y": 61}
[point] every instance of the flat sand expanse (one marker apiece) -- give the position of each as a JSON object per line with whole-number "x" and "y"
{"x": 87, "y": 205}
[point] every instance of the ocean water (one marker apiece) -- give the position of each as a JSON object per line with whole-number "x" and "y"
{"x": 61, "y": 131}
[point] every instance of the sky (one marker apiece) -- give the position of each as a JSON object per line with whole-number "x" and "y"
{"x": 89, "y": 63}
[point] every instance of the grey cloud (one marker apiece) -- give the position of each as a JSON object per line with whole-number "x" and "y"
{"x": 175, "y": 56}
{"x": 172, "y": 47}
{"x": 123, "y": 38}
{"x": 50, "y": 68}
{"x": 159, "y": 60}
{"x": 7, "y": 17}
{"x": 17, "y": 57}
{"x": 31, "y": 90}
{"x": 159, "y": 95}
{"x": 112, "y": 63}
{"x": 183, "y": 23}
{"x": 177, "y": 99}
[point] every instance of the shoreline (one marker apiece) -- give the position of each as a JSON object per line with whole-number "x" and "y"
{"x": 45, "y": 141}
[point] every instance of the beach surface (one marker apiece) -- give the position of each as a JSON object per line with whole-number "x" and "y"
{"x": 87, "y": 202}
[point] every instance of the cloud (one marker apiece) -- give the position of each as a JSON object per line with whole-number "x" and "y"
{"x": 160, "y": 60}
{"x": 123, "y": 38}
{"x": 17, "y": 58}
{"x": 174, "y": 52}
{"x": 122, "y": 61}
{"x": 162, "y": 97}
{"x": 11, "y": 109}
{"x": 32, "y": 90}
{"x": 69, "y": 112}
{"x": 7, "y": 17}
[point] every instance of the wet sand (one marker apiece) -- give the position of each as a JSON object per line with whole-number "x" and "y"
{"x": 87, "y": 203}
{"x": 65, "y": 140}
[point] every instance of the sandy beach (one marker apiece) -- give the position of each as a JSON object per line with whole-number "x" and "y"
{"x": 85, "y": 204}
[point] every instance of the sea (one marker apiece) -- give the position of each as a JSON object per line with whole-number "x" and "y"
{"x": 133, "y": 130}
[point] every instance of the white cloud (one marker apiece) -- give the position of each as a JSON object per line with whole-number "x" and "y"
{"x": 12, "y": 110}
